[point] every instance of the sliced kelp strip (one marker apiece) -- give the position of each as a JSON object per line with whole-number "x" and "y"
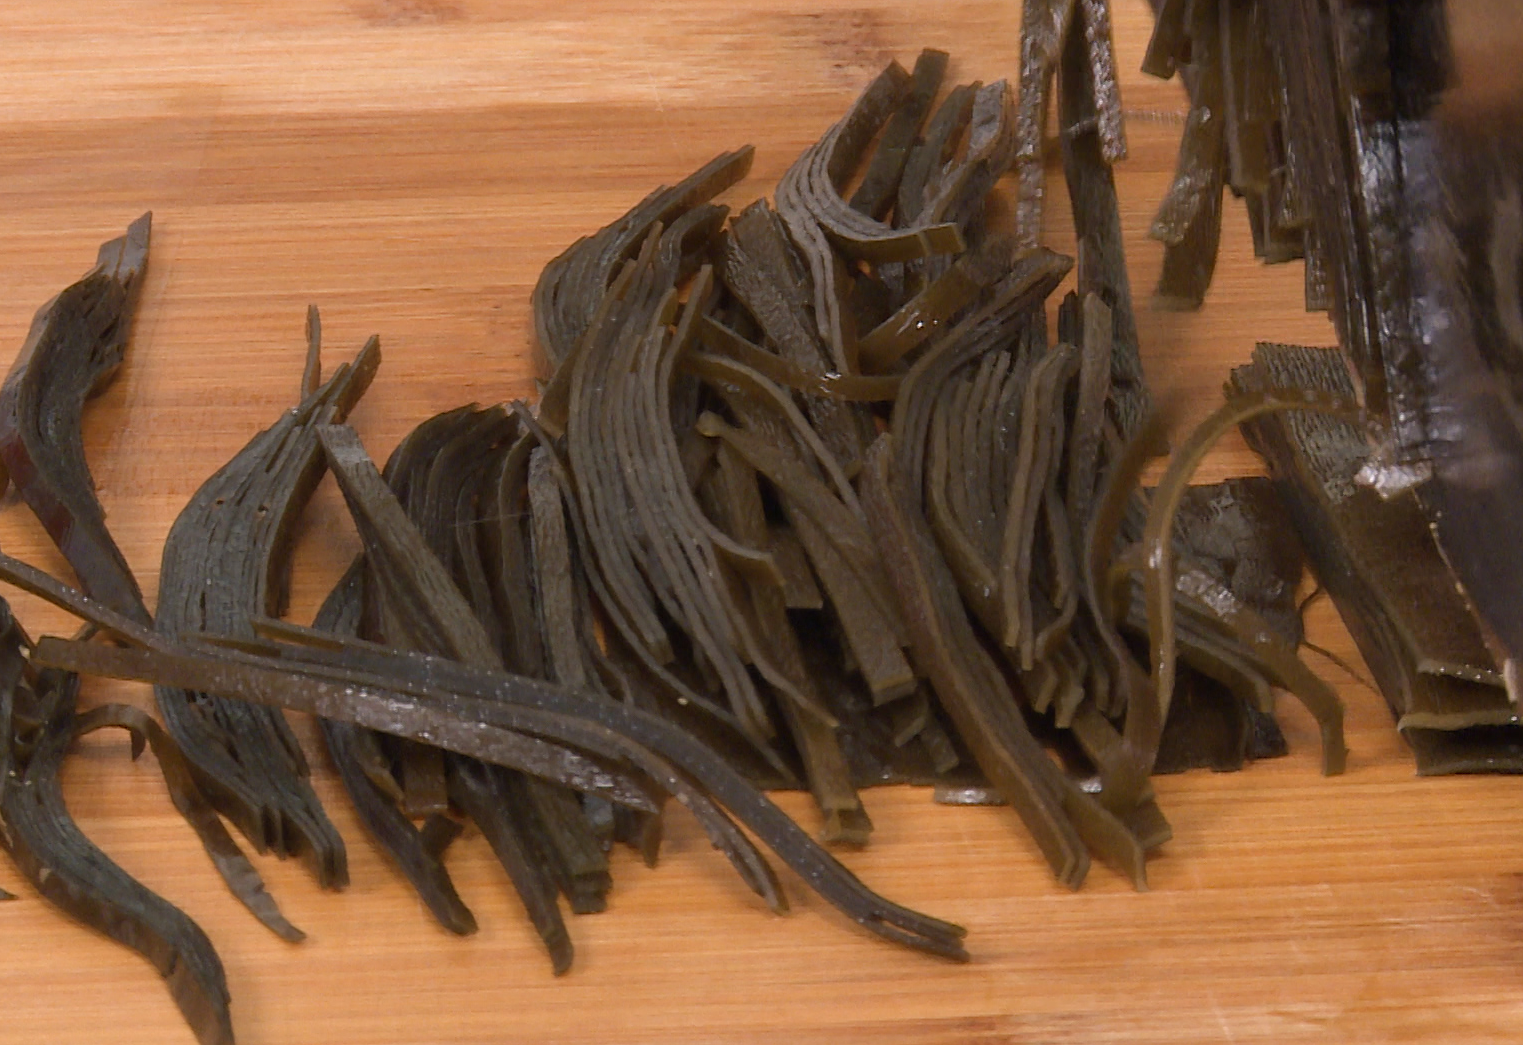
{"x": 375, "y": 793}
{"x": 67, "y": 868}
{"x": 72, "y": 352}
{"x": 226, "y": 558}
{"x": 231, "y": 864}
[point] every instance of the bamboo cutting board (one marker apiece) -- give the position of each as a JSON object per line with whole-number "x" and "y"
{"x": 409, "y": 165}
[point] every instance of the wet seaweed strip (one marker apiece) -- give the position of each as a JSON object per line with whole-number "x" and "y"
{"x": 73, "y": 351}
{"x": 1097, "y": 226}
{"x": 437, "y": 697}
{"x": 760, "y": 266}
{"x": 674, "y": 692}
{"x": 1189, "y": 218}
{"x": 1063, "y": 820}
{"x": 543, "y": 818}
{"x": 236, "y": 870}
{"x": 1044, "y": 30}
{"x": 67, "y": 869}
{"x": 573, "y": 285}
{"x": 735, "y": 498}
{"x": 880, "y": 184}
{"x": 374, "y": 802}
{"x": 437, "y": 608}
{"x": 1378, "y": 560}
{"x": 1159, "y": 577}
{"x": 227, "y": 557}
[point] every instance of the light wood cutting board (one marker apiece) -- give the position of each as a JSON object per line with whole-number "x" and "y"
{"x": 409, "y": 165}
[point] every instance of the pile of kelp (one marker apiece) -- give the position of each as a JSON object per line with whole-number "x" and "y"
{"x": 828, "y": 492}
{"x": 1366, "y": 139}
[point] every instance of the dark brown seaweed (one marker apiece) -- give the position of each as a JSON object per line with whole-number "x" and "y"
{"x": 1189, "y": 219}
{"x": 1377, "y": 559}
{"x": 226, "y": 558}
{"x": 537, "y": 830}
{"x": 67, "y": 868}
{"x": 375, "y": 794}
{"x": 880, "y": 184}
{"x": 72, "y": 352}
{"x": 571, "y": 288}
{"x": 467, "y": 709}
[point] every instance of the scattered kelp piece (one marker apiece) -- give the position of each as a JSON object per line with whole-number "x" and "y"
{"x": 848, "y": 387}
{"x": 861, "y": 595}
{"x": 565, "y": 613}
{"x": 764, "y": 272}
{"x": 227, "y": 558}
{"x": 1044, "y": 32}
{"x": 810, "y": 204}
{"x": 1063, "y": 820}
{"x": 880, "y": 184}
{"x": 67, "y": 868}
{"x": 659, "y": 558}
{"x": 1377, "y": 559}
{"x": 632, "y": 672}
{"x": 1211, "y": 727}
{"x": 734, "y": 498}
{"x": 73, "y": 352}
{"x": 1239, "y": 568}
{"x": 484, "y": 793}
{"x": 1097, "y": 224}
{"x": 923, "y": 316}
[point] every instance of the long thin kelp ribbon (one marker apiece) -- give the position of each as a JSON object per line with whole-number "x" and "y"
{"x": 1158, "y": 578}
{"x": 470, "y": 700}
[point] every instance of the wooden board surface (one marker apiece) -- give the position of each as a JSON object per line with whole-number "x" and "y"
{"x": 409, "y": 165}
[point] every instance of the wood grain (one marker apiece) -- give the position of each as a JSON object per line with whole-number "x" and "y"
{"x": 409, "y": 165}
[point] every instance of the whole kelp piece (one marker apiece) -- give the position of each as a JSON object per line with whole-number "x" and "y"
{"x": 1378, "y": 560}
{"x": 37, "y": 725}
{"x": 1379, "y": 140}
{"x": 227, "y": 558}
{"x": 1464, "y": 179}
{"x": 73, "y": 352}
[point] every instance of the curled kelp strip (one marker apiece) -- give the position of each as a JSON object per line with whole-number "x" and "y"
{"x": 67, "y": 868}
{"x": 73, "y": 351}
{"x": 226, "y": 558}
{"x": 231, "y": 864}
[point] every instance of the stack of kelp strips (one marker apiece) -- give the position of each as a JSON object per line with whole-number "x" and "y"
{"x": 827, "y": 492}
